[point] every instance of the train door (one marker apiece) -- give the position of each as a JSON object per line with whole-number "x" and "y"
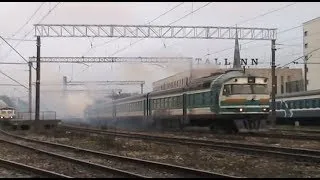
{"x": 184, "y": 111}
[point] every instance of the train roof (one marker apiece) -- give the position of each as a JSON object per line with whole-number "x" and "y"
{"x": 298, "y": 94}
{"x": 196, "y": 84}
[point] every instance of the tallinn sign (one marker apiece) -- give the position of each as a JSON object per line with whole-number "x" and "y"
{"x": 226, "y": 62}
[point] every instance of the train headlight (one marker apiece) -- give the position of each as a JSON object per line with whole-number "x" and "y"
{"x": 11, "y": 117}
{"x": 265, "y": 109}
{"x": 240, "y": 109}
{"x": 1, "y": 117}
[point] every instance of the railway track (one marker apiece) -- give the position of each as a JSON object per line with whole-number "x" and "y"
{"x": 30, "y": 169}
{"x": 295, "y": 153}
{"x": 124, "y": 165}
{"x": 275, "y": 133}
{"x": 297, "y": 130}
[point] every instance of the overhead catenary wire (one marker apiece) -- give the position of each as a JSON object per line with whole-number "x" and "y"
{"x": 166, "y": 12}
{"x": 269, "y": 12}
{"x": 14, "y": 49}
{"x": 300, "y": 57}
{"x": 168, "y": 25}
{"x": 14, "y": 80}
{"x": 45, "y": 16}
{"x": 27, "y": 22}
{"x": 261, "y": 15}
{"x": 131, "y": 44}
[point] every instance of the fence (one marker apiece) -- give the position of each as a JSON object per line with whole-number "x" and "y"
{"x": 44, "y": 115}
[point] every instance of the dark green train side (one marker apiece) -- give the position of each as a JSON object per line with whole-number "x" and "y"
{"x": 299, "y": 106}
{"x": 228, "y": 100}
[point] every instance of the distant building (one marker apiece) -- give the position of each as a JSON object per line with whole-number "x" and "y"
{"x": 311, "y": 37}
{"x": 288, "y": 80}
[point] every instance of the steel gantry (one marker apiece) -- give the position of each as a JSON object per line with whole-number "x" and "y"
{"x": 81, "y": 83}
{"x": 149, "y": 31}
{"x": 152, "y": 31}
{"x": 109, "y": 59}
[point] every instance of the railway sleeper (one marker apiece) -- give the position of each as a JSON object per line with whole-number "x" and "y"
{"x": 250, "y": 125}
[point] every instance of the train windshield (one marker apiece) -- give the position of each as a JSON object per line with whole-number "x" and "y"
{"x": 245, "y": 89}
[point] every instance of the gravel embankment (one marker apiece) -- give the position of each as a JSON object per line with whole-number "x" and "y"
{"x": 42, "y": 161}
{"x": 136, "y": 168}
{"x": 224, "y": 162}
{"x": 8, "y": 172}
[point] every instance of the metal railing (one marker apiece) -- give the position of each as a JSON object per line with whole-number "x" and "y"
{"x": 44, "y": 115}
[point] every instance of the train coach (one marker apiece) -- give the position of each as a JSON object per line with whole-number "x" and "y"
{"x": 230, "y": 101}
{"x": 300, "y": 106}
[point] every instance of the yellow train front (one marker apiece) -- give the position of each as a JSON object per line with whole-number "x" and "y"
{"x": 245, "y": 100}
{"x": 7, "y": 113}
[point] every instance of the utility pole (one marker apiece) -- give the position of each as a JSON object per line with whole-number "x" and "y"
{"x": 30, "y": 90}
{"x": 38, "y": 83}
{"x": 305, "y": 73}
{"x": 141, "y": 88}
{"x": 273, "y": 90}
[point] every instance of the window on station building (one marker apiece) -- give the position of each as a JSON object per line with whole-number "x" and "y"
{"x": 305, "y": 33}
{"x": 305, "y": 45}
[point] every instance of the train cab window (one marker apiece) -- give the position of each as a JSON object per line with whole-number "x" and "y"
{"x": 226, "y": 90}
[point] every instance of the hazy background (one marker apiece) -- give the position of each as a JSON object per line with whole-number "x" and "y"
{"x": 16, "y": 20}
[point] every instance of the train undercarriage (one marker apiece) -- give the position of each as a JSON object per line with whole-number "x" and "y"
{"x": 225, "y": 124}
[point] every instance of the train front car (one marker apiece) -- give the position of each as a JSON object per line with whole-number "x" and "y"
{"x": 7, "y": 113}
{"x": 243, "y": 103}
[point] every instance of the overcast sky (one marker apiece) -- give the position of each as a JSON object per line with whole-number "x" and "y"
{"x": 280, "y": 15}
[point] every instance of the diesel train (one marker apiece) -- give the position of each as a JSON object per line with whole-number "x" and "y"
{"x": 300, "y": 106}
{"x": 228, "y": 101}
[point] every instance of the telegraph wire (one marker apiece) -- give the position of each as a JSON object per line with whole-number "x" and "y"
{"x": 145, "y": 24}
{"x": 300, "y": 57}
{"x": 13, "y": 80}
{"x": 14, "y": 49}
{"x": 34, "y": 13}
{"x": 45, "y": 16}
{"x": 269, "y": 12}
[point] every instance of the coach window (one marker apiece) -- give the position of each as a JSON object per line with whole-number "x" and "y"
{"x": 162, "y": 102}
{"x": 159, "y": 103}
{"x": 166, "y": 102}
{"x": 313, "y": 103}
{"x": 300, "y": 104}
{"x": 307, "y": 103}
{"x": 156, "y": 103}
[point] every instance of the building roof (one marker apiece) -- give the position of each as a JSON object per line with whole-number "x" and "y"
{"x": 312, "y": 20}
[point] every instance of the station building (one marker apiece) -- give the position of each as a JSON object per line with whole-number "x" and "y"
{"x": 311, "y": 51}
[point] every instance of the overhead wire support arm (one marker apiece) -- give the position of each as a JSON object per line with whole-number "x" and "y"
{"x": 74, "y": 83}
{"x": 109, "y": 59}
{"x": 154, "y": 31}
